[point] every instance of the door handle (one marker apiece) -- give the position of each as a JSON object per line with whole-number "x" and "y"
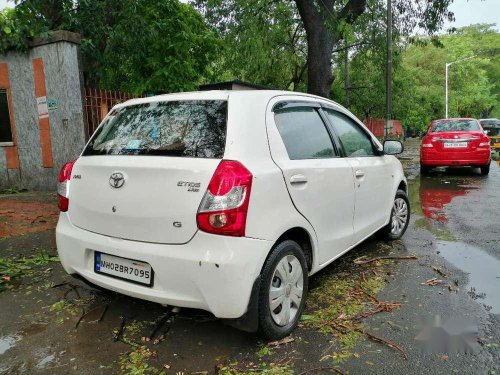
{"x": 359, "y": 174}
{"x": 298, "y": 179}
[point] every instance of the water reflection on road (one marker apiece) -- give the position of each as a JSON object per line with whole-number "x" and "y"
{"x": 483, "y": 270}
{"x": 445, "y": 211}
{"x": 438, "y": 190}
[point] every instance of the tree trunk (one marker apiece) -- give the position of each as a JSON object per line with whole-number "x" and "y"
{"x": 319, "y": 49}
{"x": 320, "y": 40}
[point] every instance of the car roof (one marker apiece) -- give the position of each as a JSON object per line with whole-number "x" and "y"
{"x": 257, "y": 95}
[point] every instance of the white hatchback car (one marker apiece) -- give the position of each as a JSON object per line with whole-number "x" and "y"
{"x": 226, "y": 201}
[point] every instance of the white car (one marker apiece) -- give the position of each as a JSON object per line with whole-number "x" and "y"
{"x": 226, "y": 201}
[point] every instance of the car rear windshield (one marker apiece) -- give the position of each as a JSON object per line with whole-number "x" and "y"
{"x": 455, "y": 125}
{"x": 189, "y": 128}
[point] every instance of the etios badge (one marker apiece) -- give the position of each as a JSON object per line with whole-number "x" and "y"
{"x": 117, "y": 180}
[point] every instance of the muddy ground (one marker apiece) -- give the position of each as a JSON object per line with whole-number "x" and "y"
{"x": 430, "y": 305}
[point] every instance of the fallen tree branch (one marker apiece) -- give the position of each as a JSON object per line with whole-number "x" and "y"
{"x": 84, "y": 314}
{"x": 335, "y": 369}
{"x": 439, "y": 271}
{"x": 120, "y": 330}
{"x": 81, "y": 317}
{"x": 59, "y": 285}
{"x": 383, "y": 341}
{"x": 160, "y": 323}
{"x": 432, "y": 282}
{"x": 364, "y": 260}
{"x": 286, "y": 340}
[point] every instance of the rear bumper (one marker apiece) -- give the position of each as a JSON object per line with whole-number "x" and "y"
{"x": 213, "y": 273}
{"x": 450, "y": 159}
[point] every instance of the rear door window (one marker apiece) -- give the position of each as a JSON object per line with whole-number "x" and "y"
{"x": 194, "y": 128}
{"x": 304, "y": 133}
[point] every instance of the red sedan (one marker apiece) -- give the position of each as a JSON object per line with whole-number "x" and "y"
{"x": 455, "y": 142}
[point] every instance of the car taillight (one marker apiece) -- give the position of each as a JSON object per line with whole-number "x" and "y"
{"x": 485, "y": 142}
{"x": 63, "y": 185}
{"x": 223, "y": 209}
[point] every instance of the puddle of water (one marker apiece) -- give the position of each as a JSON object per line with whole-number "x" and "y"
{"x": 436, "y": 193}
{"x": 483, "y": 270}
{"x": 7, "y": 342}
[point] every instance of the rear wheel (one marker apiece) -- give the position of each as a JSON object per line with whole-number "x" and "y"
{"x": 400, "y": 218}
{"x": 485, "y": 169}
{"x": 283, "y": 290}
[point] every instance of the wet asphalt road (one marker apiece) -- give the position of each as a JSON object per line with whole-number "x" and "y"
{"x": 455, "y": 229}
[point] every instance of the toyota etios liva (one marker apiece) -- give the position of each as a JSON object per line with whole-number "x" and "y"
{"x": 226, "y": 201}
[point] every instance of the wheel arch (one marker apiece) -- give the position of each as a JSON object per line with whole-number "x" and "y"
{"x": 403, "y": 186}
{"x": 305, "y": 241}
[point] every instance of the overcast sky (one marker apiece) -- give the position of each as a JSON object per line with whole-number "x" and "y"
{"x": 466, "y": 11}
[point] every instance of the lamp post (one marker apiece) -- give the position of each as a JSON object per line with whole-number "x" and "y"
{"x": 388, "y": 77}
{"x": 447, "y": 65}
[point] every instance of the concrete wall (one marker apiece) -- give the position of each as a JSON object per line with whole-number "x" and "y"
{"x": 43, "y": 143}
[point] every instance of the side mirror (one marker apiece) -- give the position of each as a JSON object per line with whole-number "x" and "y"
{"x": 393, "y": 147}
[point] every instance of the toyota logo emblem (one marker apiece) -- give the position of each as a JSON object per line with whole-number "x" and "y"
{"x": 117, "y": 180}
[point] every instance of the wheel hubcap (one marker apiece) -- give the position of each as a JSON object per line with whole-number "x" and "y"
{"x": 286, "y": 290}
{"x": 399, "y": 216}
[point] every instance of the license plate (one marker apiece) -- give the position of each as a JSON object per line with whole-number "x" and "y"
{"x": 455, "y": 145}
{"x": 123, "y": 268}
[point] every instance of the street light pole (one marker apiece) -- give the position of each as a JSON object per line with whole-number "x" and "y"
{"x": 447, "y": 65}
{"x": 388, "y": 78}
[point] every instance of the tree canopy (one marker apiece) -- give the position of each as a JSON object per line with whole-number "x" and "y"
{"x": 334, "y": 48}
{"x": 138, "y": 46}
{"x": 419, "y": 78}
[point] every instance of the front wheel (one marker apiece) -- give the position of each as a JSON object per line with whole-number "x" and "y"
{"x": 283, "y": 290}
{"x": 400, "y": 217}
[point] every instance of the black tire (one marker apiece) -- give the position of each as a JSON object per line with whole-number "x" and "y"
{"x": 485, "y": 170}
{"x": 424, "y": 170}
{"x": 386, "y": 232}
{"x": 268, "y": 328}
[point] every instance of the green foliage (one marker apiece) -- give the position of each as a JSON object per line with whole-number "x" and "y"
{"x": 264, "y": 351}
{"x": 12, "y": 190}
{"x": 142, "y": 46}
{"x": 419, "y": 90}
{"x": 419, "y": 78}
{"x": 262, "y": 42}
{"x": 267, "y": 369}
{"x": 136, "y": 362}
{"x": 14, "y": 268}
{"x": 157, "y": 47}
{"x": 138, "y": 46}
{"x": 32, "y": 18}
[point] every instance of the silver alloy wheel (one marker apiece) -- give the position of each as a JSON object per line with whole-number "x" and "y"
{"x": 399, "y": 216}
{"x": 286, "y": 290}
